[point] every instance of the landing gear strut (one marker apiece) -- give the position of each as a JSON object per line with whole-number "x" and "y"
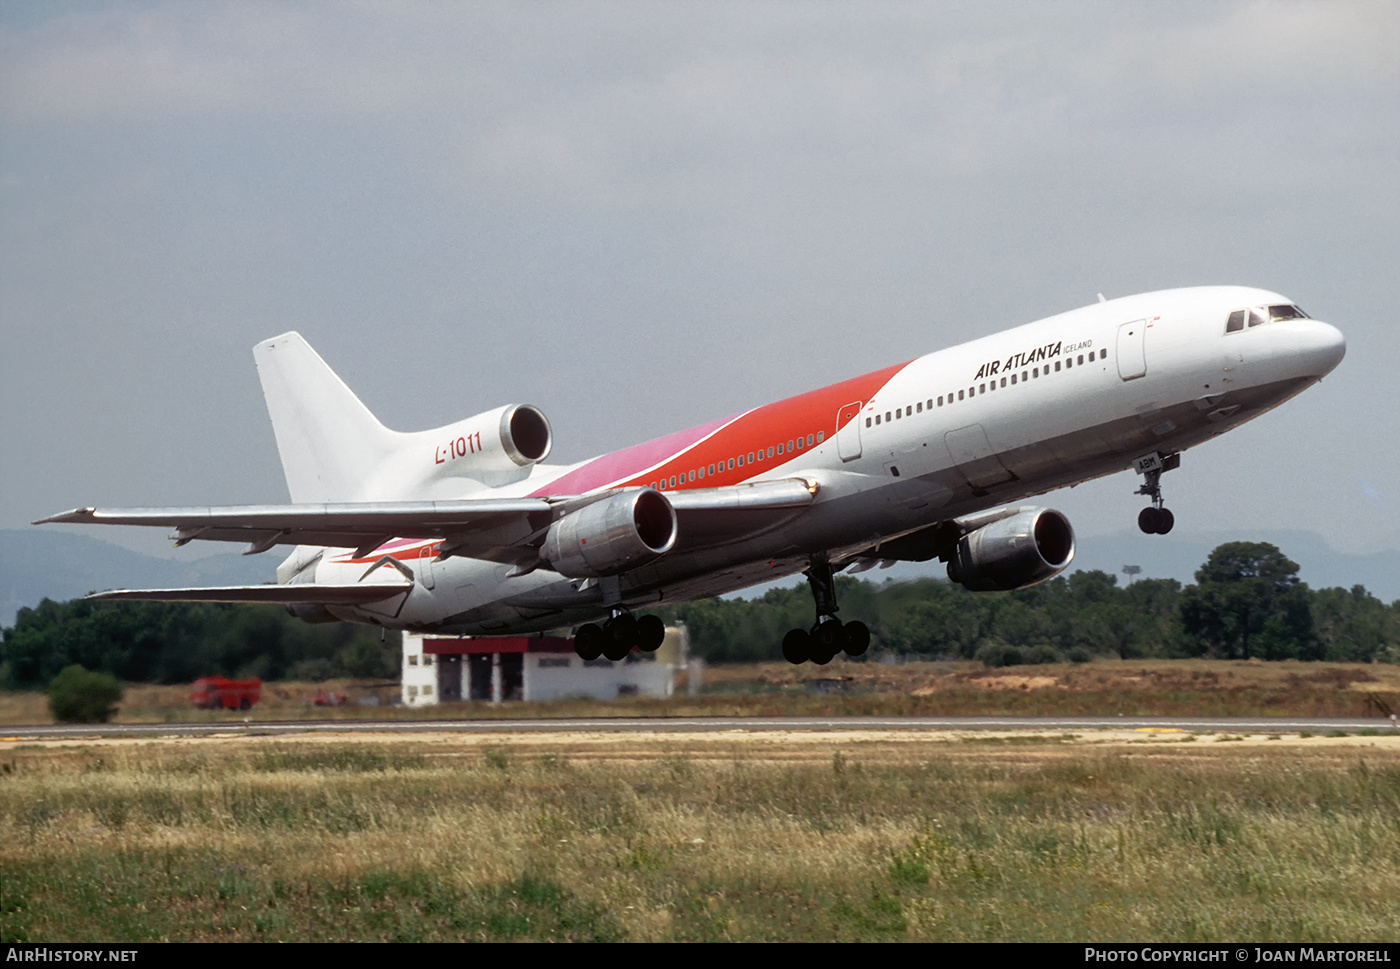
{"x": 619, "y": 636}
{"x": 828, "y": 635}
{"x": 1155, "y": 520}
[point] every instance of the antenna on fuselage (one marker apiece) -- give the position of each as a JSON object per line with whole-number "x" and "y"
{"x": 1101, "y": 299}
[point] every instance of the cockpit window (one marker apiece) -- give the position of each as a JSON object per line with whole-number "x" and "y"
{"x": 1257, "y": 315}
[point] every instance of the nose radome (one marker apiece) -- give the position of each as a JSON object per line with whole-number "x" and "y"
{"x": 1325, "y": 346}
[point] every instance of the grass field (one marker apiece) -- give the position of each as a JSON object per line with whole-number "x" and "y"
{"x": 869, "y": 836}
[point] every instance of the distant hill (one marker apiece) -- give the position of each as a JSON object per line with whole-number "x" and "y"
{"x": 39, "y": 564}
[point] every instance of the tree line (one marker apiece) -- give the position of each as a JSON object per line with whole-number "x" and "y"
{"x": 1247, "y": 602}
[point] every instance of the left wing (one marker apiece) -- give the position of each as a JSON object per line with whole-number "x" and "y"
{"x": 497, "y": 529}
{"x": 472, "y": 527}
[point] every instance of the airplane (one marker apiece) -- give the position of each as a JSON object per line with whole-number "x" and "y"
{"x": 464, "y": 530}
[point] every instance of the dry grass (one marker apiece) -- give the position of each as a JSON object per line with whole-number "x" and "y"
{"x": 867, "y": 836}
{"x": 1133, "y": 688}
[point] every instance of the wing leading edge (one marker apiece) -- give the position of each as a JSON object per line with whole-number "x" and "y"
{"x": 497, "y": 530}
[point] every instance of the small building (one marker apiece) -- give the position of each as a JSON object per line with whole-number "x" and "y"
{"x": 442, "y": 669}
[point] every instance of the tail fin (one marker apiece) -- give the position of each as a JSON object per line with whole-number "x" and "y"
{"x": 329, "y": 442}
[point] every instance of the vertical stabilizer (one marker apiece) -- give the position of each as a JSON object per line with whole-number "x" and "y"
{"x": 330, "y": 443}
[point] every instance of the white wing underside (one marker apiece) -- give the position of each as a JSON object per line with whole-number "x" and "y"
{"x": 508, "y": 530}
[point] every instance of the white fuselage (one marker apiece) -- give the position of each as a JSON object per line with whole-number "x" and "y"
{"x": 987, "y": 423}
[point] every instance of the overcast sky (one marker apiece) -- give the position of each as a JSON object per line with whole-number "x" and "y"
{"x": 641, "y": 216}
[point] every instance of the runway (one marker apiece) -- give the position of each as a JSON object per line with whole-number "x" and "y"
{"x": 703, "y": 725}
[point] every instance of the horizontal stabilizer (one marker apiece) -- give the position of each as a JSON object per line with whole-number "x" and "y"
{"x": 288, "y": 595}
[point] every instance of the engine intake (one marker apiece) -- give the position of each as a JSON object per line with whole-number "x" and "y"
{"x": 1014, "y": 553}
{"x": 612, "y": 535}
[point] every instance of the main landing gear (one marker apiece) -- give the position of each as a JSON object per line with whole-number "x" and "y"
{"x": 1155, "y": 520}
{"x": 828, "y": 635}
{"x": 619, "y": 636}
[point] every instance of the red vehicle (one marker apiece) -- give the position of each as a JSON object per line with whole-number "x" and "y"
{"x": 217, "y": 693}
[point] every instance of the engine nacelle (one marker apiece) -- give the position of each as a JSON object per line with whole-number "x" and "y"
{"x": 505, "y": 439}
{"x": 1014, "y": 553}
{"x": 612, "y": 535}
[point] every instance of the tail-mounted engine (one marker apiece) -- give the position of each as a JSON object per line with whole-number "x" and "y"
{"x": 1022, "y": 550}
{"x": 505, "y": 439}
{"x": 611, "y": 535}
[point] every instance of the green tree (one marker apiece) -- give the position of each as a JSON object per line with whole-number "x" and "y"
{"x": 78, "y": 696}
{"x": 1247, "y": 600}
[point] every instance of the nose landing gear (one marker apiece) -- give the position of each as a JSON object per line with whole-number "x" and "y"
{"x": 828, "y": 635}
{"x": 1155, "y": 520}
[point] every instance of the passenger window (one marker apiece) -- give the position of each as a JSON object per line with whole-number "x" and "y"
{"x": 982, "y": 389}
{"x": 1003, "y": 381}
{"x": 809, "y": 439}
{"x": 898, "y": 412}
{"x": 770, "y": 452}
{"x": 1069, "y": 362}
{"x": 877, "y": 419}
{"x": 731, "y": 463}
{"x": 780, "y": 449}
{"x": 1023, "y": 376}
{"x": 790, "y": 447}
{"x": 821, "y": 436}
{"x": 887, "y": 415}
{"x": 1057, "y": 366}
{"x": 1081, "y": 359}
{"x": 1013, "y": 380}
{"x": 960, "y": 395}
{"x": 867, "y": 422}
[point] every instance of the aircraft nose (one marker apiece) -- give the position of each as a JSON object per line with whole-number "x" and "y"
{"x": 1322, "y": 347}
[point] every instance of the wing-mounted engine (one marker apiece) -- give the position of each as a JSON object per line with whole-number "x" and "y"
{"x": 611, "y": 535}
{"x": 1022, "y": 549}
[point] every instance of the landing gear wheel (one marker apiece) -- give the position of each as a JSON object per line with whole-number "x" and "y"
{"x": 619, "y": 636}
{"x": 1156, "y": 521}
{"x": 588, "y": 642}
{"x": 857, "y": 638}
{"x": 651, "y": 633}
{"x": 1147, "y": 521}
{"x": 1165, "y": 521}
{"x": 828, "y": 639}
{"x": 797, "y": 646}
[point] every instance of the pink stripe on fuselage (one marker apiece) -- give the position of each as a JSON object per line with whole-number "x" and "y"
{"x": 624, "y": 464}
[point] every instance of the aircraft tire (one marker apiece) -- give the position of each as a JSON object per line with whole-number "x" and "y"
{"x": 1147, "y": 521}
{"x": 1165, "y": 521}
{"x": 797, "y": 646}
{"x": 651, "y": 633}
{"x": 857, "y": 638}
{"x": 829, "y": 638}
{"x": 588, "y": 642}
